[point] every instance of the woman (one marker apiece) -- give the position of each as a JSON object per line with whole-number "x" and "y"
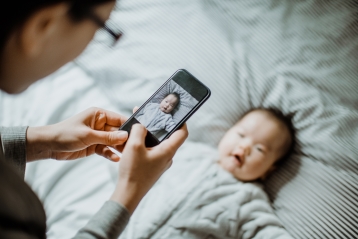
{"x": 37, "y": 37}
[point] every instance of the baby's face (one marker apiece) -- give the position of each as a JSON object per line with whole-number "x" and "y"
{"x": 251, "y": 147}
{"x": 168, "y": 104}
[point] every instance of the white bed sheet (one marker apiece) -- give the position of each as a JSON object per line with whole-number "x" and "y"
{"x": 250, "y": 53}
{"x": 298, "y": 56}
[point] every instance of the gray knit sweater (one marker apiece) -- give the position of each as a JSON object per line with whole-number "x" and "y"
{"x": 108, "y": 222}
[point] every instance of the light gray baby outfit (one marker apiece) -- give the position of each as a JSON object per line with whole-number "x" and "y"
{"x": 154, "y": 119}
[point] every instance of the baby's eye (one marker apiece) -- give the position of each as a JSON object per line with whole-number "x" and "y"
{"x": 259, "y": 149}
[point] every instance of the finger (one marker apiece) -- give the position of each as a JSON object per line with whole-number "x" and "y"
{"x": 168, "y": 147}
{"x": 135, "y": 109}
{"x": 104, "y": 151}
{"x": 137, "y": 136}
{"x": 110, "y": 128}
{"x": 107, "y": 138}
{"x": 169, "y": 164}
{"x": 99, "y": 118}
{"x": 177, "y": 138}
{"x": 113, "y": 118}
{"x": 119, "y": 148}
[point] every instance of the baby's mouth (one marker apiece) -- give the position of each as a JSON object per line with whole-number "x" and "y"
{"x": 238, "y": 159}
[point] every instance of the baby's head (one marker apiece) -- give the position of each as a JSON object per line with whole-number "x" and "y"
{"x": 169, "y": 103}
{"x": 252, "y": 147}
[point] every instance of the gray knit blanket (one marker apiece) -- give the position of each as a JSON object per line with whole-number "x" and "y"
{"x": 196, "y": 198}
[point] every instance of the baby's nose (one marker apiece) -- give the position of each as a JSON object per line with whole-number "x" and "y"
{"x": 246, "y": 148}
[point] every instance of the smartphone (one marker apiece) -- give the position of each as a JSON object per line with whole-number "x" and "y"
{"x": 169, "y": 107}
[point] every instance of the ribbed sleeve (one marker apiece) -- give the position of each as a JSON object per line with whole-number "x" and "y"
{"x": 108, "y": 222}
{"x": 13, "y": 142}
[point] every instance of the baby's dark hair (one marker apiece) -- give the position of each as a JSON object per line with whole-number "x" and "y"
{"x": 286, "y": 120}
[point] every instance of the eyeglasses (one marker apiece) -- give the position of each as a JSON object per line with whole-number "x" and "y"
{"x": 100, "y": 23}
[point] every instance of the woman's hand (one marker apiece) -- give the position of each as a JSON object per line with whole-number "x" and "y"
{"x": 84, "y": 134}
{"x": 140, "y": 167}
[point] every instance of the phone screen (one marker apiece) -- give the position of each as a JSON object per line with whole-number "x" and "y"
{"x": 168, "y": 108}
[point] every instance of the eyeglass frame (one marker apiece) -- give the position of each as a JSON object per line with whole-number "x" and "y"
{"x": 92, "y": 16}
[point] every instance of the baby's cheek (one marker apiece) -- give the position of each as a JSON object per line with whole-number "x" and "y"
{"x": 257, "y": 165}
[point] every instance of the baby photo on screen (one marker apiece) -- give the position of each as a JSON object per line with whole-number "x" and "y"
{"x": 166, "y": 109}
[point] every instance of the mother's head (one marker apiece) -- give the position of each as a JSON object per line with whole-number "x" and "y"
{"x": 39, "y": 36}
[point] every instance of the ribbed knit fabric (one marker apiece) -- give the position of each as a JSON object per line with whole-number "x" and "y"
{"x": 13, "y": 142}
{"x": 108, "y": 222}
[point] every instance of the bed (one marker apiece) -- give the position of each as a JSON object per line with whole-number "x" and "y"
{"x": 299, "y": 56}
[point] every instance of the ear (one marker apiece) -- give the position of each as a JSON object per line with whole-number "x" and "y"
{"x": 268, "y": 172}
{"x": 40, "y": 27}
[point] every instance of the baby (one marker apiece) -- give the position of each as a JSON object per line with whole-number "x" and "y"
{"x": 213, "y": 193}
{"x": 259, "y": 140}
{"x": 157, "y": 117}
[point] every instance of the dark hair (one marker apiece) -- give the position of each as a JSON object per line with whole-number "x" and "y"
{"x": 14, "y": 14}
{"x": 177, "y": 96}
{"x": 286, "y": 120}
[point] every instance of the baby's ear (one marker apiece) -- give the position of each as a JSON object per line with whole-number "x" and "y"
{"x": 268, "y": 172}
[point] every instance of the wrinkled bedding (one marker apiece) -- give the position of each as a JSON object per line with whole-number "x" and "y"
{"x": 298, "y": 56}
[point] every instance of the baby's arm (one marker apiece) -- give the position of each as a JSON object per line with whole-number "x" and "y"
{"x": 259, "y": 219}
{"x": 170, "y": 124}
{"x": 144, "y": 115}
{"x": 142, "y": 111}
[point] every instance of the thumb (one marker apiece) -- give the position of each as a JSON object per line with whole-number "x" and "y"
{"x": 109, "y": 138}
{"x": 137, "y": 136}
